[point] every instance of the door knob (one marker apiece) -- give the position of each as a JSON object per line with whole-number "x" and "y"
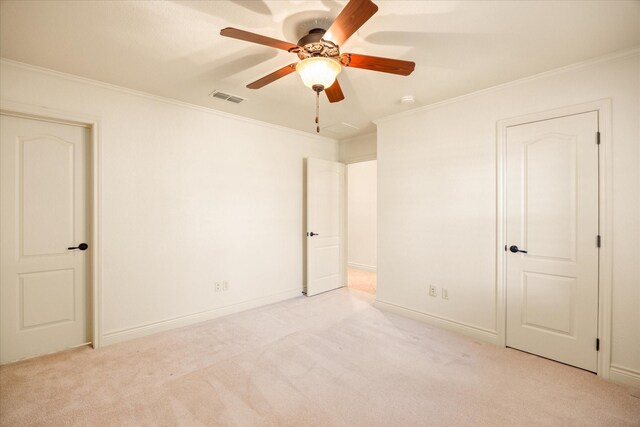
{"x": 515, "y": 249}
{"x": 81, "y": 246}
{"x": 313, "y": 234}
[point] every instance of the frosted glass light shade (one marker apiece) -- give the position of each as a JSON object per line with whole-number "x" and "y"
{"x": 318, "y": 71}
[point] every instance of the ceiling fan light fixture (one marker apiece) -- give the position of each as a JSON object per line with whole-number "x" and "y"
{"x": 319, "y": 53}
{"x": 318, "y": 71}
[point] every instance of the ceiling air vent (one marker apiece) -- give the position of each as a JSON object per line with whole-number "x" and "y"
{"x": 226, "y": 97}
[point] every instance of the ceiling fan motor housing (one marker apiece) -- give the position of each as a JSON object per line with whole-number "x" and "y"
{"x": 314, "y": 36}
{"x": 313, "y": 45}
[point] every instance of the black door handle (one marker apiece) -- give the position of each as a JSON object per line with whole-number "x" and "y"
{"x": 515, "y": 249}
{"x": 313, "y": 234}
{"x": 81, "y": 246}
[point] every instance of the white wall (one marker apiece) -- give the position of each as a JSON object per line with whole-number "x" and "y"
{"x": 362, "y": 215}
{"x": 437, "y": 199}
{"x": 189, "y": 197}
{"x": 358, "y": 149}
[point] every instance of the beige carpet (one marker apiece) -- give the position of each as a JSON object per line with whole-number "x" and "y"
{"x": 329, "y": 360}
{"x": 361, "y": 280}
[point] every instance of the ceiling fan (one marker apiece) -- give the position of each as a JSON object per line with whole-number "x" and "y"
{"x": 319, "y": 53}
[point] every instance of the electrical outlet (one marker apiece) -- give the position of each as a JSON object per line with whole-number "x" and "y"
{"x": 225, "y": 286}
{"x": 217, "y": 287}
{"x": 433, "y": 291}
{"x": 445, "y": 293}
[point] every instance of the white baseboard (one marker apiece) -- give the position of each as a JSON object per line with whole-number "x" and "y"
{"x": 364, "y": 267}
{"x": 626, "y": 376}
{"x": 442, "y": 322}
{"x": 190, "y": 319}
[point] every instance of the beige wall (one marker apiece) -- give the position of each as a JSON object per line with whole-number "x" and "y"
{"x": 189, "y": 197}
{"x": 358, "y": 149}
{"x": 437, "y": 200}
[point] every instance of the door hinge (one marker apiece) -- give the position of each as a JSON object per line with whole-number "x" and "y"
{"x": 598, "y": 138}
{"x": 598, "y": 241}
{"x": 597, "y": 344}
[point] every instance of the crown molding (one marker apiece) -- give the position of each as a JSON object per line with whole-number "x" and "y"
{"x": 359, "y": 137}
{"x": 577, "y": 66}
{"x": 134, "y": 92}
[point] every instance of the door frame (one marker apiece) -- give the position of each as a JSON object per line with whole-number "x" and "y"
{"x": 605, "y": 225}
{"x": 15, "y": 109}
{"x": 362, "y": 159}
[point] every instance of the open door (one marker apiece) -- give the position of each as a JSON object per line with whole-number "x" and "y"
{"x": 326, "y": 249}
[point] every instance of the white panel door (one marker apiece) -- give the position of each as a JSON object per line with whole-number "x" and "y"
{"x": 325, "y": 226}
{"x": 552, "y": 214}
{"x": 44, "y": 186}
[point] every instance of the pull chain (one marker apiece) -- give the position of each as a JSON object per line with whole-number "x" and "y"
{"x": 318, "y": 112}
{"x": 317, "y": 89}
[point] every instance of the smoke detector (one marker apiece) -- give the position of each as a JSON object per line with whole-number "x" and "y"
{"x": 407, "y": 100}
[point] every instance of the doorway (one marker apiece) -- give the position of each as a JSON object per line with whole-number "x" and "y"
{"x": 362, "y": 226}
{"x": 45, "y": 230}
{"x": 552, "y": 238}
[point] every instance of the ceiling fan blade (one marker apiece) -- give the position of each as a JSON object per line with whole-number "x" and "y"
{"x": 257, "y": 38}
{"x": 334, "y": 92}
{"x": 354, "y": 14}
{"x": 385, "y": 65}
{"x": 270, "y": 78}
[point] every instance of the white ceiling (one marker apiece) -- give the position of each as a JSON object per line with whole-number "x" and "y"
{"x": 173, "y": 49}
